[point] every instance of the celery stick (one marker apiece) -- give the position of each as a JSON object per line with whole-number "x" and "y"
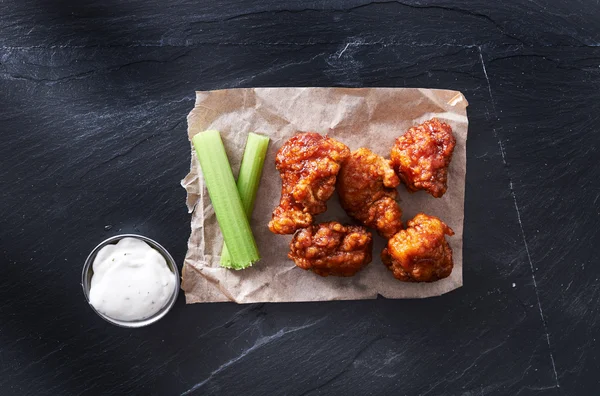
{"x": 225, "y": 199}
{"x": 248, "y": 181}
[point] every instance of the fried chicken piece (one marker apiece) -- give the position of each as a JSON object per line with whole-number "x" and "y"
{"x": 421, "y": 157}
{"x": 332, "y": 249}
{"x": 420, "y": 253}
{"x": 367, "y": 188}
{"x": 308, "y": 164}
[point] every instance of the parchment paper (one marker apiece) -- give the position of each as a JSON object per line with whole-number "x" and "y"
{"x": 358, "y": 117}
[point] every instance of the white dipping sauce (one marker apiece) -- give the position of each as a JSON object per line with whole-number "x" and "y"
{"x": 131, "y": 280}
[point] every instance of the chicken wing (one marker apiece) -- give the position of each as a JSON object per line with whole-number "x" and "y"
{"x": 420, "y": 253}
{"x": 308, "y": 164}
{"x": 421, "y": 157}
{"x": 367, "y": 188}
{"x": 332, "y": 249}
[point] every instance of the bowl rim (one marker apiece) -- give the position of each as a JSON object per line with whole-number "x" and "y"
{"x": 86, "y": 281}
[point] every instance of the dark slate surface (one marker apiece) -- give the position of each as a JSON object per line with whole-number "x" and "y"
{"x": 93, "y": 99}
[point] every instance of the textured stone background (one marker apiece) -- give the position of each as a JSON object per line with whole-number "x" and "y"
{"x": 93, "y": 99}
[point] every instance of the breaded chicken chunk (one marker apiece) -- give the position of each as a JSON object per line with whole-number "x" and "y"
{"x": 421, "y": 157}
{"x": 367, "y": 188}
{"x": 332, "y": 249}
{"x": 420, "y": 253}
{"x": 308, "y": 164}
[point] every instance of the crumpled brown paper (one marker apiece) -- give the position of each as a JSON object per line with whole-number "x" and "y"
{"x": 358, "y": 117}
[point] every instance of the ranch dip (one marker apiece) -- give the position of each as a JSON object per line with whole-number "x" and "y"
{"x": 131, "y": 280}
